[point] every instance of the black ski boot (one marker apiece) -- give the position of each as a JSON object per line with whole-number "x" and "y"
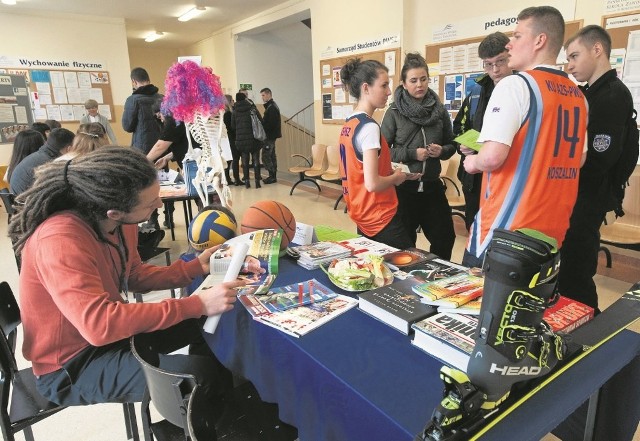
{"x": 513, "y": 343}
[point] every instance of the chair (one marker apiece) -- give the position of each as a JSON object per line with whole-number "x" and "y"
{"x": 177, "y": 398}
{"x": 316, "y": 163}
{"x": 148, "y": 253}
{"x": 21, "y": 404}
{"x": 332, "y": 173}
{"x": 623, "y": 232}
{"x": 8, "y": 200}
{"x": 449, "y": 177}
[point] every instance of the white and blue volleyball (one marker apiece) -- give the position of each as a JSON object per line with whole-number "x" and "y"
{"x": 209, "y": 228}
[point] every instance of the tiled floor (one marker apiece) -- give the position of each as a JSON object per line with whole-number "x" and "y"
{"x": 105, "y": 422}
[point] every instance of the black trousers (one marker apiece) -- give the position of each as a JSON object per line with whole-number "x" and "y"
{"x": 431, "y": 211}
{"x": 255, "y": 157}
{"x": 472, "y": 199}
{"x": 111, "y": 373}
{"x": 393, "y": 234}
{"x": 579, "y": 252}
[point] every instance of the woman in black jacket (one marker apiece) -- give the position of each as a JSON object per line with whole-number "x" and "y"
{"x": 246, "y": 144}
{"x": 231, "y": 134}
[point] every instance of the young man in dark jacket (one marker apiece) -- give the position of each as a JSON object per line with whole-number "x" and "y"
{"x": 272, "y": 127}
{"x": 138, "y": 117}
{"x": 495, "y": 58}
{"x": 610, "y": 107}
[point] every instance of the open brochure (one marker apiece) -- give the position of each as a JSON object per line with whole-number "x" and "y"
{"x": 260, "y": 266}
{"x": 301, "y": 320}
{"x": 264, "y": 251}
{"x": 286, "y": 297}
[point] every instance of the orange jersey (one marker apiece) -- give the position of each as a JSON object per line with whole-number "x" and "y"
{"x": 537, "y": 185}
{"x": 371, "y": 211}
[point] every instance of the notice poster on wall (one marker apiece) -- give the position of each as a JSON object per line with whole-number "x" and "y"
{"x": 453, "y": 91}
{"x": 15, "y": 109}
{"x": 326, "y": 106}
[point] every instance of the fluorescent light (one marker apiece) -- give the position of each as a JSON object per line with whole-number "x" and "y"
{"x": 191, "y": 13}
{"x": 9, "y": 2}
{"x": 153, "y": 36}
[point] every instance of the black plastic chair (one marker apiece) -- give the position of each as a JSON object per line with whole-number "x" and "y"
{"x": 187, "y": 414}
{"x": 8, "y": 200}
{"x": 21, "y": 405}
{"x": 148, "y": 253}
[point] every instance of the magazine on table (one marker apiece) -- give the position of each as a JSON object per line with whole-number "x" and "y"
{"x": 286, "y": 297}
{"x": 301, "y": 320}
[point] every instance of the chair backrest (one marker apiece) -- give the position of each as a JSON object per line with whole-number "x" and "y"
{"x": 176, "y": 396}
{"x": 9, "y": 321}
{"x": 333, "y": 160}
{"x": 8, "y": 200}
{"x": 318, "y": 155}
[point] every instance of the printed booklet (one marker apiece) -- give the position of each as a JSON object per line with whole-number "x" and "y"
{"x": 286, "y": 297}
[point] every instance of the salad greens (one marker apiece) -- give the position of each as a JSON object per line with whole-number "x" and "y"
{"x": 358, "y": 274}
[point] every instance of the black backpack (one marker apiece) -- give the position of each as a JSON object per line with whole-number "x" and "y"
{"x": 626, "y": 164}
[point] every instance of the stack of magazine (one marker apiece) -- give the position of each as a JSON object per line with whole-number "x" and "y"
{"x": 320, "y": 253}
{"x": 298, "y": 308}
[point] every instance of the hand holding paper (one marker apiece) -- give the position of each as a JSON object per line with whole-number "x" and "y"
{"x": 469, "y": 139}
{"x": 237, "y": 259}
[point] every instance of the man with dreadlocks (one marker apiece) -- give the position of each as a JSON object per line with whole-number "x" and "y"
{"x": 77, "y": 234}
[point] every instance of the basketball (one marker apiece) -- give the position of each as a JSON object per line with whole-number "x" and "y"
{"x": 209, "y": 228}
{"x": 269, "y": 215}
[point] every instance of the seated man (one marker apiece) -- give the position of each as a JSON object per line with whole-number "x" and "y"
{"x": 57, "y": 144}
{"x": 77, "y": 237}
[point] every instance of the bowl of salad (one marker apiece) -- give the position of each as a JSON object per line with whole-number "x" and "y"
{"x": 358, "y": 274}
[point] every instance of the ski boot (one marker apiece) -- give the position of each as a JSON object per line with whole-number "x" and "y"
{"x": 513, "y": 343}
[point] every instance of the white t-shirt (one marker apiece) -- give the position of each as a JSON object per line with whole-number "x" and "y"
{"x": 368, "y": 136}
{"x": 511, "y": 96}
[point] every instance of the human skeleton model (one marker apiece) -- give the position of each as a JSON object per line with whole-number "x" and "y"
{"x": 208, "y": 132}
{"x": 194, "y": 95}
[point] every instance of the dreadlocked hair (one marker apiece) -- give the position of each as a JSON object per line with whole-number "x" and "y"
{"x": 109, "y": 178}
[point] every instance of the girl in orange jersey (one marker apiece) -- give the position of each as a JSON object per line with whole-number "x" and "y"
{"x": 368, "y": 180}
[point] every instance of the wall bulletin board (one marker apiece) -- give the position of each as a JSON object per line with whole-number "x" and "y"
{"x": 61, "y": 94}
{"x": 15, "y": 107}
{"x": 338, "y": 104}
{"x": 624, "y": 30}
{"x": 451, "y": 85}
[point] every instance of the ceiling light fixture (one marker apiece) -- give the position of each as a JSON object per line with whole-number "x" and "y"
{"x": 153, "y": 36}
{"x": 191, "y": 13}
{"x": 9, "y": 2}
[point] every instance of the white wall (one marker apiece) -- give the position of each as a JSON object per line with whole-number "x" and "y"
{"x": 70, "y": 36}
{"x": 281, "y": 60}
{"x": 348, "y": 21}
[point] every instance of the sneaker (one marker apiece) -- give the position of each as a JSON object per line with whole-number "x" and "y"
{"x": 150, "y": 239}
{"x": 150, "y": 225}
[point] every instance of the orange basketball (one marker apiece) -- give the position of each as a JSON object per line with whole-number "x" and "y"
{"x": 269, "y": 214}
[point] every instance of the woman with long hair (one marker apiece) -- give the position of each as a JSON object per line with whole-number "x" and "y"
{"x": 418, "y": 129}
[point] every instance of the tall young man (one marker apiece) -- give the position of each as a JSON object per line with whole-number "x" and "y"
{"x": 272, "y": 127}
{"x": 533, "y": 139}
{"x": 610, "y": 107}
{"x": 138, "y": 117}
{"x": 495, "y": 60}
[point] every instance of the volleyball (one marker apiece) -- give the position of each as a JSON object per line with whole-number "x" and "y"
{"x": 209, "y": 228}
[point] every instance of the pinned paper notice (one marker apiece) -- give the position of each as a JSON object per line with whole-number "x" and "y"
{"x": 469, "y": 139}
